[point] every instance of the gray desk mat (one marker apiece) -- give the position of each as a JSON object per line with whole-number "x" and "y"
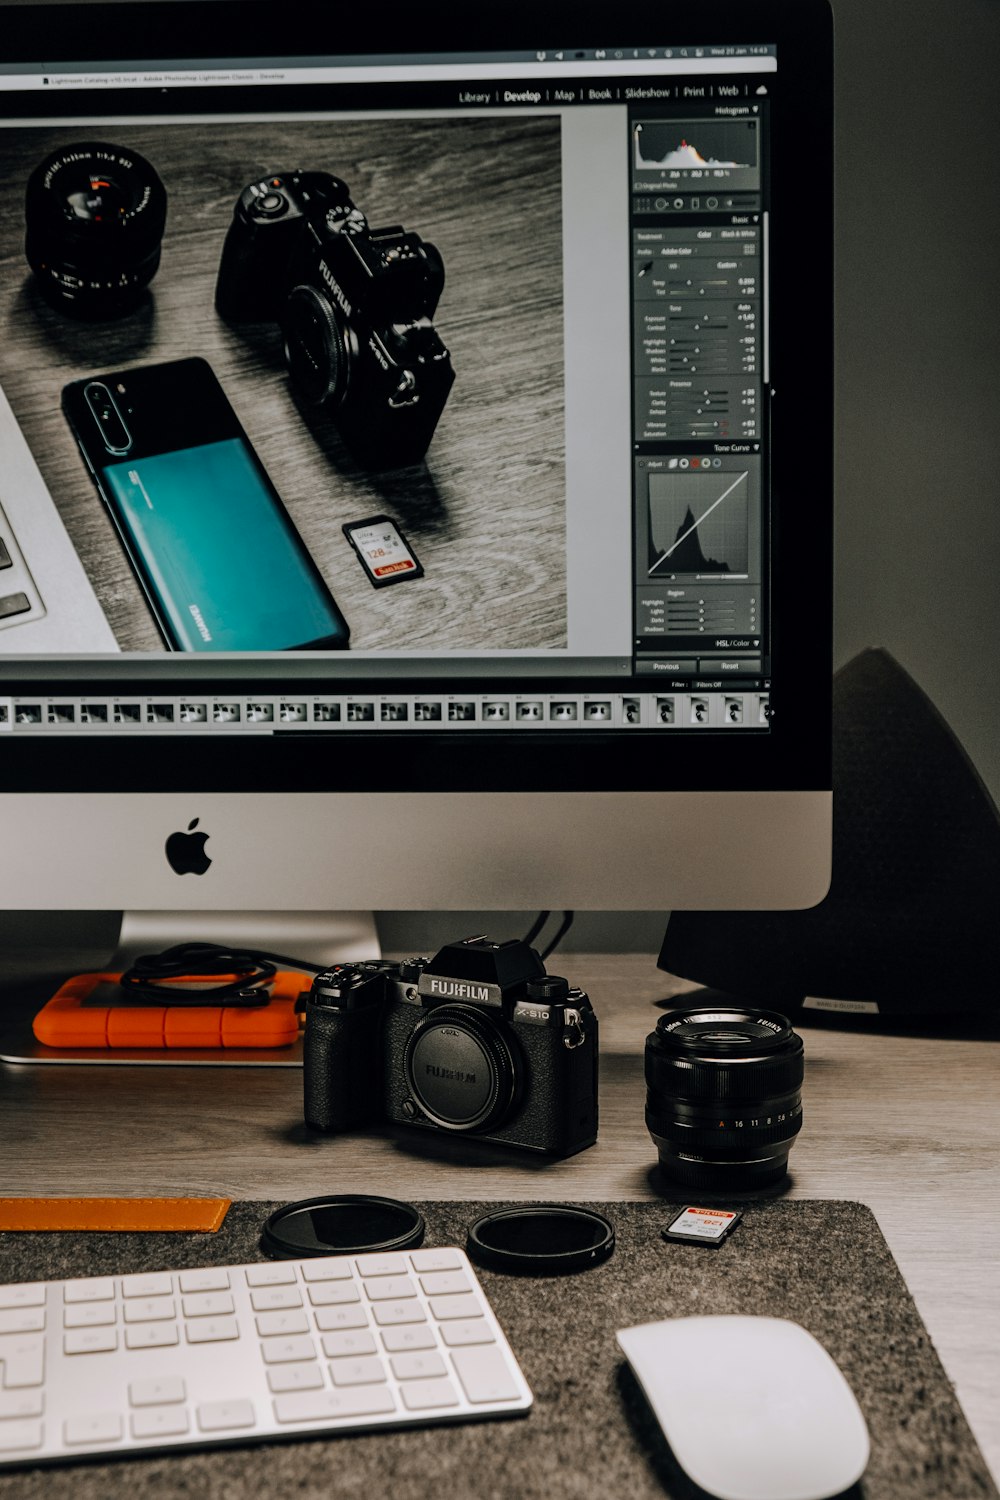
{"x": 590, "y": 1433}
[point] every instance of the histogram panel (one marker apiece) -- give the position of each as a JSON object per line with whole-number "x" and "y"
{"x": 684, "y": 152}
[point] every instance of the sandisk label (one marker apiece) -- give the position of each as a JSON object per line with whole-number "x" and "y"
{"x": 383, "y": 551}
{"x": 702, "y": 1225}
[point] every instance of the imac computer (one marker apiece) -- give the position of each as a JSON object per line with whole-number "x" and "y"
{"x": 417, "y": 437}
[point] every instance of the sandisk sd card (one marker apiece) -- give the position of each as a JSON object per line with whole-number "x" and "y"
{"x": 383, "y": 551}
{"x": 702, "y": 1226}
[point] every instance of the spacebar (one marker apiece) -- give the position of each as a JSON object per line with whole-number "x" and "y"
{"x": 320, "y": 1406}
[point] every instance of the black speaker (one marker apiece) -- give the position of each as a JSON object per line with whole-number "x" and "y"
{"x": 911, "y": 923}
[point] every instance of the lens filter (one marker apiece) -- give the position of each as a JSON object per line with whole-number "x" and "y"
{"x": 541, "y": 1239}
{"x": 344, "y": 1224}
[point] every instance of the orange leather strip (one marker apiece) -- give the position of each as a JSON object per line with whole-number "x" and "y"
{"x": 114, "y": 1214}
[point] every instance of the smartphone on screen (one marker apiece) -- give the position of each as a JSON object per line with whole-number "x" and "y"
{"x": 215, "y": 552}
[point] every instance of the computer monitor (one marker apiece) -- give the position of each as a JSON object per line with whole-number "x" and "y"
{"x": 417, "y": 442}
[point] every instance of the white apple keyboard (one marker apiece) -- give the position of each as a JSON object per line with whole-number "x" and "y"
{"x": 108, "y": 1365}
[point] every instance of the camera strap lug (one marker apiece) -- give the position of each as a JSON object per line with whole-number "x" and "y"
{"x": 573, "y": 1033}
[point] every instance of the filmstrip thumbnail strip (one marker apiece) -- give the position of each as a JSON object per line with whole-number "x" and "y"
{"x": 137, "y": 714}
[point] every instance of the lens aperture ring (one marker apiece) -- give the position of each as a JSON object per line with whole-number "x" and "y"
{"x": 746, "y": 1078}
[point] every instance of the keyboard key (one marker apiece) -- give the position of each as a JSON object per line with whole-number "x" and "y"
{"x": 161, "y": 1390}
{"x": 271, "y": 1276}
{"x": 89, "y": 1315}
{"x": 287, "y": 1351}
{"x": 443, "y": 1283}
{"x": 357, "y": 1341}
{"x": 272, "y": 1323}
{"x": 6, "y": 561}
{"x": 160, "y": 1421}
{"x": 158, "y": 1285}
{"x": 17, "y": 1404}
{"x": 151, "y": 1335}
{"x": 150, "y": 1310}
{"x": 23, "y": 1361}
{"x": 90, "y": 1340}
{"x": 382, "y": 1265}
{"x": 30, "y": 1295}
{"x": 435, "y": 1260}
{"x": 412, "y": 1336}
{"x": 212, "y": 1330}
{"x": 467, "y": 1331}
{"x": 10, "y": 605}
{"x": 398, "y": 1312}
{"x": 356, "y": 1371}
{"x": 320, "y": 1406}
{"x": 220, "y": 1416}
{"x": 106, "y": 1427}
{"x": 484, "y": 1374}
{"x": 206, "y": 1305}
{"x": 20, "y": 1437}
{"x": 417, "y": 1366}
{"x": 332, "y": 1293}
{"x": 326, "y": 1268}
{"x": 463, "y": 1306}
{"x": 328, "y": 1319}
{"x": 205, "y": 1281}
{"x": 425, "y": 1395}
{"x": 22, "y": 1320}
{"x": 270, "y": 1298}
{"x": 390, "y": 1289}
{"x": 295, "y": 1378}
{"x": 92, "y": 1289}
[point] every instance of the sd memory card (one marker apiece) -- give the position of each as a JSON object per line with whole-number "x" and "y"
{"x": 702, "y": 1226}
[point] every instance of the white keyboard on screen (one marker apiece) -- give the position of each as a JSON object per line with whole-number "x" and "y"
{"x": 237, "y": 1354}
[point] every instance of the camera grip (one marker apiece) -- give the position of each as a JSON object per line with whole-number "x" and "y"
{"x": 341, "y": 1067}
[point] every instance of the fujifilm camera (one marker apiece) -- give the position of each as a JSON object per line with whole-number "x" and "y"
{"x": 478, "y": 1041}
{"x": 355, "y": 306}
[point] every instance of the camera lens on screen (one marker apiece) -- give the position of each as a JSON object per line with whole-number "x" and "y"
{"x": 95, "y": 216}
{"x": 723, "y": 1095}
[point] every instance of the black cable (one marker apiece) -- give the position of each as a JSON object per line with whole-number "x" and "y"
{"x": 561, "y": 931}
{"x": 539, "y": 923}
{"x": 536, "y": 927}
{"x": 153, "y": 977}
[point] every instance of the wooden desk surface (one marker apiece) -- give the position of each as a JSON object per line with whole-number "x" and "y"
{"x": 908, "y": 1125}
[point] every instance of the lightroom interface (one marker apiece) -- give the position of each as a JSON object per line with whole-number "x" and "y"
{"x": 451, "y": 370}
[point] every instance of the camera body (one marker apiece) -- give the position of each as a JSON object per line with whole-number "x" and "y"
{"x": 477, "y": 1041}
{"x": 355, "y": 305}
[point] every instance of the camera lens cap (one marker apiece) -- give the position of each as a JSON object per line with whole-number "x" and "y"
{"x": 342, "y": 1224}
{"x": 541, "y": 1239}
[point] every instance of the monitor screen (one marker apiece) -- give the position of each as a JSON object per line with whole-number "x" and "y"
{"x": 414, "y": 410}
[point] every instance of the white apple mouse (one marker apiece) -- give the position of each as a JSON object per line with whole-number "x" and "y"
{"x": 753, "y": 1408}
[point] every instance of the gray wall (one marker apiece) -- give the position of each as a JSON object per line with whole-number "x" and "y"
{"x": 918, "y": 352}
{"x": 918, "y": 376}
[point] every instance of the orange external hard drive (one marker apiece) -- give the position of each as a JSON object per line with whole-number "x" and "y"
{"x": 84, "y": 1013}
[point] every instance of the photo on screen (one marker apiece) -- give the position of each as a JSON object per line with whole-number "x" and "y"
{"x": 484, "y": 512}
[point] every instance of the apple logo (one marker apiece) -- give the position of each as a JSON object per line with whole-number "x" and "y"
{"x": 186, "y": 851}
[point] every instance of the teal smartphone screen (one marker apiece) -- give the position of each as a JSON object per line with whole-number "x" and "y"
{"x": 225, "y": 566}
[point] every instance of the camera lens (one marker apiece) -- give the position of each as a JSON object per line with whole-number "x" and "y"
{"x": 95, "y": 215}
{"x": 461, "y": 1070}
{"x": 723, "y": 1095}
{"x": 315, "y": 348}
